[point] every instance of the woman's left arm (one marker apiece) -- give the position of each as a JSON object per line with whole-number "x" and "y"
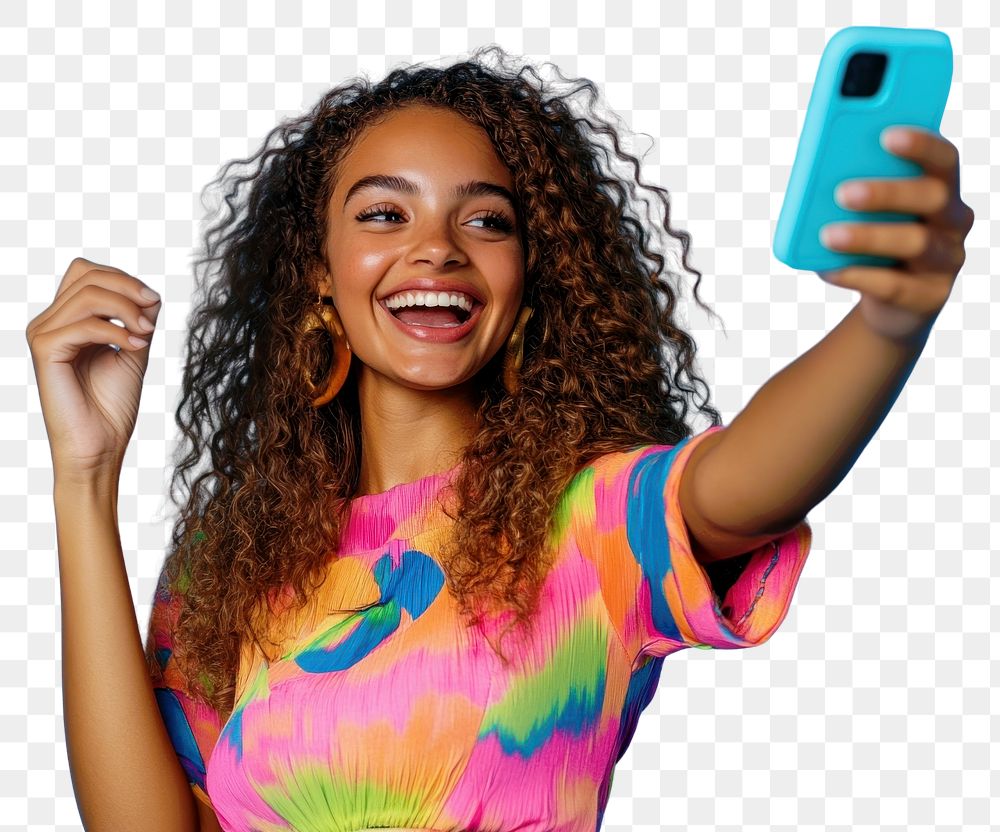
{"x": 806, "y": 427}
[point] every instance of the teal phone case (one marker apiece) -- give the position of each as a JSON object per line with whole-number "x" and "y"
{"x": 840, "y": 137}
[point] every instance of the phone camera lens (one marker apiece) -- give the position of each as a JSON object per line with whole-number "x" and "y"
{"x": 863, "y": 75}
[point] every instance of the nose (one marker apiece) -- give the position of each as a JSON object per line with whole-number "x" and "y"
{"x": 435, "y": 244}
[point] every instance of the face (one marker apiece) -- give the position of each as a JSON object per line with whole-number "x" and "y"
{"x": 419, "y": 234}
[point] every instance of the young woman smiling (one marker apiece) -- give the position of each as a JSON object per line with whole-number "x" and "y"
{"x": 454, "y": 518}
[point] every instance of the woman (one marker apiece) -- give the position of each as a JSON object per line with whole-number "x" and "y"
{"x": 454, "y": 518}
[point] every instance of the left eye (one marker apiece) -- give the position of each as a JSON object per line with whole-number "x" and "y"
{"x": 499, "y": 221}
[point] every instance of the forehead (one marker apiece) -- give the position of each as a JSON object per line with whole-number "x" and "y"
{"x": 421, "y": 138}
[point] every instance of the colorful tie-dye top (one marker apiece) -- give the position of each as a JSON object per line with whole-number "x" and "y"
{"x": 382, "y": 709}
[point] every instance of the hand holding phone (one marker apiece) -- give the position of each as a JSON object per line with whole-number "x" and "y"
{"x": 869, "y": 78}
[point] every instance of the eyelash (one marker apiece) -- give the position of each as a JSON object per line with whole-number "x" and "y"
{"x": 502, "y": 223}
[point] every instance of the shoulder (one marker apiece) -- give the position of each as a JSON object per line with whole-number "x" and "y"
{"x": 636, "y": 478}
{"x": 615, "y": 469}
{"x": 596, "y": 497}
{"x": 639, "y": 458}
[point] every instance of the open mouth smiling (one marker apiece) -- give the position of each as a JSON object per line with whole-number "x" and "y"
{"x": 435, "y": 309}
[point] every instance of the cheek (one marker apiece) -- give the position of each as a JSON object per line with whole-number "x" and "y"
{"x": 514, "y": 291}
{"x": 367, "y": 259}
{"x": 357, "y": 269}
{"x": 357, "y": 254}
{"x": 507, "y": 268}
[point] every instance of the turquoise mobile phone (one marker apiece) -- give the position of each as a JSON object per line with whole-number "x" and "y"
{"x": 869, "y": 78}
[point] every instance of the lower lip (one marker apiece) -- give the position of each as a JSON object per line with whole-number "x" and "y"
{"x": 437, "y": 334}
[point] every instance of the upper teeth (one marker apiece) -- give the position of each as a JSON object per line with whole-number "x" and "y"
{"x": 430, "y": 299}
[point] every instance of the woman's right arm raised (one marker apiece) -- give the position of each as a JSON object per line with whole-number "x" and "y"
{"x": 125, "y": 772}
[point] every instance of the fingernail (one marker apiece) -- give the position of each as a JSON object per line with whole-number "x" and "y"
{"x": 851, "y": 194}
{"x": 138, "y": 342}
{"x": 148, "y": 293}
{"x": 834, "y": 235}
{"x": 895, "y": 139}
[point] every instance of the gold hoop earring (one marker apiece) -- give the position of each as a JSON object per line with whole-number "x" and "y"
{"x": 514, "y": 354}
{"x": 324, "y": 317}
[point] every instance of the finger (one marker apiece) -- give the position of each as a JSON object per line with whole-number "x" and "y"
{"x": 115, "y": 280}
{"x": 932, "y": 151}
{"x": 928, "y": 247}
{"x": 93, "y": 300}
{"x": 966, "y": 218}
{"x": 921, "y": 195}
{"x": 63, "y": 344}
{"x": 921, "y": 294}
{"x": 78, "y": 268}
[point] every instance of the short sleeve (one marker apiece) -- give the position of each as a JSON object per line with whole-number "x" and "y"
{"x": 193, "y": 726}
{"x": 659, "y": 596}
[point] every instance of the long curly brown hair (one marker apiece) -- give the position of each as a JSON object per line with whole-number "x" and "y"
{"x": 604, "y": 368}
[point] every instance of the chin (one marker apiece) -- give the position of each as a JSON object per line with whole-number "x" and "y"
{"x": 425, "y": 382}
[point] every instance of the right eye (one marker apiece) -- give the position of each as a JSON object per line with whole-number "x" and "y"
{"x": 376, "y": 211}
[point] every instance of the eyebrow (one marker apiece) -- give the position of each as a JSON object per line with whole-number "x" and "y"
{"x": 474, "y": 187}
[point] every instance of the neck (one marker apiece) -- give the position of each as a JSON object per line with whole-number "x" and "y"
{"x": 409, "y": 434}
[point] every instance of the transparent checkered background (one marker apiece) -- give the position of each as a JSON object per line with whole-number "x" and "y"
{"x": 871, "y": 706}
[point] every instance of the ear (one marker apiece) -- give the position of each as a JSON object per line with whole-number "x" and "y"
{"x": 320, "y": 279}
